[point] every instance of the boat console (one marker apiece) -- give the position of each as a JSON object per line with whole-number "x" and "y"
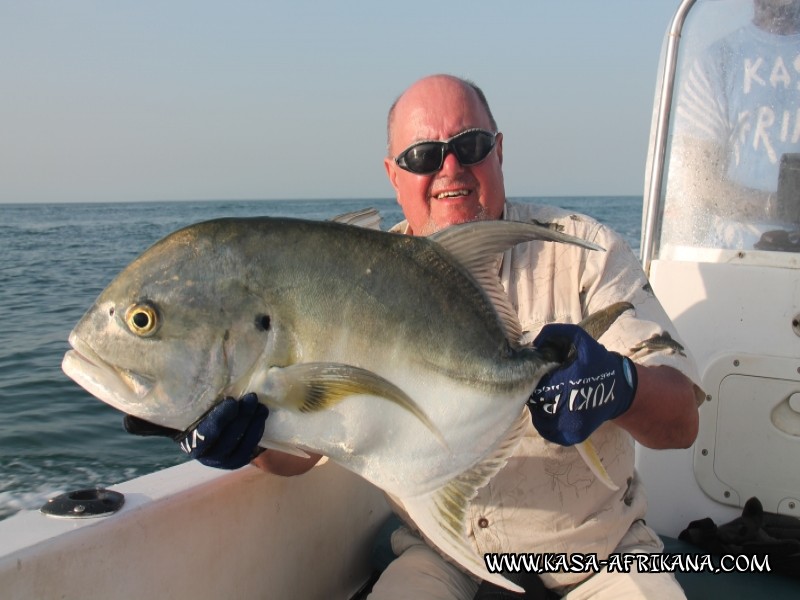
{"x": 721, "y": 245}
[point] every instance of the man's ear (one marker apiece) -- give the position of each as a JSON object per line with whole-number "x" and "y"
{"x": 499, "y": 147}
{"x": 391, "y": 171}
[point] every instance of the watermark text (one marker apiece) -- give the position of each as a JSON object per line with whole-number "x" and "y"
{"x": 625, "y": 563}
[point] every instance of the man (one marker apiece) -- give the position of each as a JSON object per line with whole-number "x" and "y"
{"x": 545, "y": 499}
{"x": 737, "y": 114}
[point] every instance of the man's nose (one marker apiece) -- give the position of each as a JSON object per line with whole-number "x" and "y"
{"x": 451, "y": 164}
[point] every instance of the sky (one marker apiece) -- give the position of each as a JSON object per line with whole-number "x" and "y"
{"x": 198, "y": 99}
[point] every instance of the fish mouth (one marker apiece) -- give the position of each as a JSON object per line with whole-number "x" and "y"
{"x": 121, "y": 388}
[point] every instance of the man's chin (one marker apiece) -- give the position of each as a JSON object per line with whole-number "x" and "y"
{"x": 449, "y": 220}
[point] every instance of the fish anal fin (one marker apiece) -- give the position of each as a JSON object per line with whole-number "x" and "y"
{"x": 441, "y": 515}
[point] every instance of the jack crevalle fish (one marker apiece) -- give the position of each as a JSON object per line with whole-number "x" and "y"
{"x": 398, "y": 357}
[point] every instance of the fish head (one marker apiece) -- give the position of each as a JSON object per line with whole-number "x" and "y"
{"x": 175, "y": 331}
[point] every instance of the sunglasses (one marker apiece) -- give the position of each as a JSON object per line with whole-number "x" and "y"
{"x": 470, "y": 147}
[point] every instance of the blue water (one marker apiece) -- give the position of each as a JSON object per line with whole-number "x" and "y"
{"x": 54, "y": 261}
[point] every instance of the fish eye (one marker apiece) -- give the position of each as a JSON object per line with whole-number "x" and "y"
{"x": 142, "y": 319}
{"x": 263, "y": 322}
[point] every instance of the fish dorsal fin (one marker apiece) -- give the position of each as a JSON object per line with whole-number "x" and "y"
{"x": 441, "y": 515}
{"x": 598, "y": 323}
{"x": 479, "y": 245}
{"x": 369, "y": 218}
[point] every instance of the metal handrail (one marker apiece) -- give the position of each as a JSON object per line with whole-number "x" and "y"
{"x": 653, "y": 192}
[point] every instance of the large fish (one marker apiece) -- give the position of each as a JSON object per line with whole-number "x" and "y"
{"x": 395, "y": 356}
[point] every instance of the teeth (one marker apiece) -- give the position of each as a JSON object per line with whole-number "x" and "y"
{"x": 452, "y": 194}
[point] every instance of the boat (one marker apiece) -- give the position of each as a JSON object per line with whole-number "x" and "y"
{"x": 190, "y": 531}
{"x": 726, "y": 274}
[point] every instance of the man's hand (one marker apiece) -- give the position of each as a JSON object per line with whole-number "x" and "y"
{"x": 592, "y": 385}
{"x": 227, "y": 437}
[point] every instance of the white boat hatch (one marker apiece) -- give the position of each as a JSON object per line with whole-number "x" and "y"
{"x": 721, "y": 243}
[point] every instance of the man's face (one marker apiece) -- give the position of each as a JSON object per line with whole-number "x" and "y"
{"x": 438, "y": 108}
{"x": 781, "y": 17}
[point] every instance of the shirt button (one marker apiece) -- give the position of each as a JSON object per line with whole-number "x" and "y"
{"x": 483, "y": 522}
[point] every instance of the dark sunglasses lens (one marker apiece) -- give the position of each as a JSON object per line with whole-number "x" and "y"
{"x": 424, "y": 158}
{"x": 473, "y": 146}
{"x": 470, "y": 147}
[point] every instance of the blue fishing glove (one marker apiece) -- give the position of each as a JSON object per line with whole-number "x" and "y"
{"x": 592, "y": 385}
{"x": 227, "y": 437}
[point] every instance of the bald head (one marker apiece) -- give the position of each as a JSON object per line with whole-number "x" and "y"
{"x": 437, "y": 108}
{"x": 437, "y": 85}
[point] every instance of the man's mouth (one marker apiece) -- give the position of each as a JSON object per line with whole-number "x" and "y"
{"x": 452, "y": 194}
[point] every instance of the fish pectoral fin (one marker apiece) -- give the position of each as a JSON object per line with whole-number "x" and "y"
{"x": 589, "y": 455}
{"x": 312, "y": 387}
{"x": 441, "y": 515}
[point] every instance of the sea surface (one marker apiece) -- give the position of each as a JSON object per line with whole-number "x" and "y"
{"x": 54, "y": 261}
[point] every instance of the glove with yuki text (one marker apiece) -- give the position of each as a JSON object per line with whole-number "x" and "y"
{"x": 592, "y": 385}
{"x": 227, "y": 437}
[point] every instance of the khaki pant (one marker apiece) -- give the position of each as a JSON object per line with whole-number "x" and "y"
{"x": 420, "y": 573}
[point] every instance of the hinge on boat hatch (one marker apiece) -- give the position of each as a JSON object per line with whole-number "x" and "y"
{"x": 84, "y": 504}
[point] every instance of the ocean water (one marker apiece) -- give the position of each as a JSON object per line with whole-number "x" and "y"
{"x": 54, "y": 261}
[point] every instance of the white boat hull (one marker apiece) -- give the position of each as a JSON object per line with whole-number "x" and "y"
{"x": 180, "y": 536}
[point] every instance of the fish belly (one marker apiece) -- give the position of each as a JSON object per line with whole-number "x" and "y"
{"x": 392, "y": 448}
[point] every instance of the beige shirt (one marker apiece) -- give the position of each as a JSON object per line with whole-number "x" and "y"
{"x": 546, "y": 499}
